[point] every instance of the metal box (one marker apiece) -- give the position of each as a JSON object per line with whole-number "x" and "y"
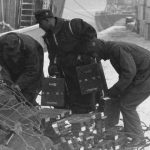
{"x": 53, "y": 92}
{"x": 89, "y": 77}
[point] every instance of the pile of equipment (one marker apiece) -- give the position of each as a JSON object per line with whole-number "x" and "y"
{"x": 20, "y": 125}
{"x": 81, "y": 131}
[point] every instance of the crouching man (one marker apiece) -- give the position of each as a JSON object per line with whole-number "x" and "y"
{"x": 132, "y": 63}
{"x": 22, "y": 56}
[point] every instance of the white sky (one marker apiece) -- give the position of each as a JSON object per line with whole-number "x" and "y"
{"x": 84, "y": 9}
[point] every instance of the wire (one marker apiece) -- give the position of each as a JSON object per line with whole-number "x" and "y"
{"x": 24, "y": 128}
{"x": 17, "y": 93}
{"x": 83, "y": 8}
{"x": 79, "y": 13}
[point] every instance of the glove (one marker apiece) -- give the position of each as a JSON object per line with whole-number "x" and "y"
{"x": 53, "y": 70}
{"x": 15, "y": 87}
{"x": 113, "y": 93}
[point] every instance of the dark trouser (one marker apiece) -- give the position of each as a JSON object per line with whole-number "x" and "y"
{"x": 77, "y": 102}
{"x": 127, "y": 105}
{"x": 82, "y": 103}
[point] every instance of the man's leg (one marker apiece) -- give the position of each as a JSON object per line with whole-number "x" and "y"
{"x": 129, "y": 101}
{"x": 128, "y": 105}
{"x": 112, "y": 111}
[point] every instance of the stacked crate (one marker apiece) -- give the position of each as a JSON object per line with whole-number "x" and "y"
{"x": 80, "y": 131}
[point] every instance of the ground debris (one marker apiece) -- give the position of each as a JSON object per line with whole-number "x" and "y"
{"x": 20, "y": 124}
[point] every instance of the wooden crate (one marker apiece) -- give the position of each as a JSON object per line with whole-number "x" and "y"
{"x": 89, "y": 77}
{"x": 53, "y": 92}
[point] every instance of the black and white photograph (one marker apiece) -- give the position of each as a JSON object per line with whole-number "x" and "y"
{"x": 74, "y": 74}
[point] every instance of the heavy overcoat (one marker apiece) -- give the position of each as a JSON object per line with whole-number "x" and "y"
{"x": 69, "y": 39}
{"x": 131, "y": 62}
{"x": 27, "y": 72}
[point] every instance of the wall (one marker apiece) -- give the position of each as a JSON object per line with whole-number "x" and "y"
{"x": 8, "y": 13}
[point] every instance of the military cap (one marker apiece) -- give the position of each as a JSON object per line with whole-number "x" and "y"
{"x": 10, "y": 43}
{"x": 42, "y": 14}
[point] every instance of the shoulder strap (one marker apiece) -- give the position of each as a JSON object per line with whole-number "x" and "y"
{"x": 70, "y": 27}
{"x": 56, "y": 42}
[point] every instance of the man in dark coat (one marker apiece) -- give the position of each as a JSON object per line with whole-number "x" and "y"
{"x": 66, "y": 40}
{"x": 22, "y": 56}
{"x": 132, "y": 63}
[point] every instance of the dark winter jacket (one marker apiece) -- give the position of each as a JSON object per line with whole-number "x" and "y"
{"x": 131, "y": 62}
{"x": 67, "y": 42}
{"x": 27, "y": 72}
